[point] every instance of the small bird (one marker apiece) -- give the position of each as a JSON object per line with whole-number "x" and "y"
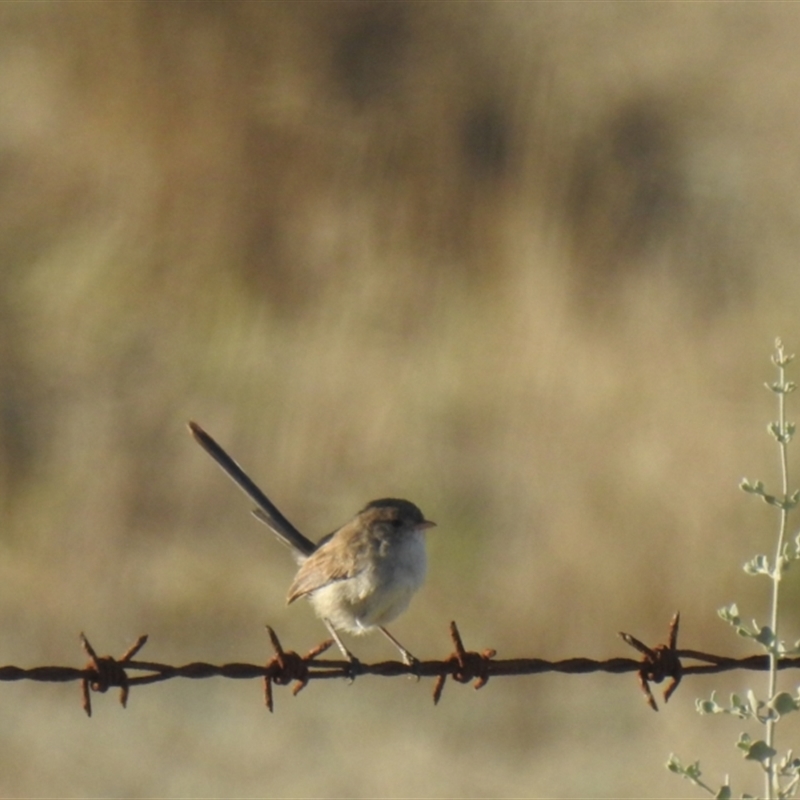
{"x": 358, "y": 578}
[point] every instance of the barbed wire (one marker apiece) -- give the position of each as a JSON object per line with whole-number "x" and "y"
{"x": 664, "y": 661}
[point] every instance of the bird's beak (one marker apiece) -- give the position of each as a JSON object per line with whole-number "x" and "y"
{"x": 426, "y": 523}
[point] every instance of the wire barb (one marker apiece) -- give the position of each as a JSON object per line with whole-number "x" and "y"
{"x": 103, "y": 672}
{"x": 659, "y": 663}
{"x": 287, "y": 666}
{"x": 465, "y": 665}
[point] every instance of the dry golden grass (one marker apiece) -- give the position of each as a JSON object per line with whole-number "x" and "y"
{"x": 521, "y": 263}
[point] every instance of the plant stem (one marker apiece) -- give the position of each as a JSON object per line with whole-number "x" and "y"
{"x": 772, "y": 779}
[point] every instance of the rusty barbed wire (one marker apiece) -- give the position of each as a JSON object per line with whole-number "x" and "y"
{"x": 463, "y": 666}
{"x": 659, "y": 663}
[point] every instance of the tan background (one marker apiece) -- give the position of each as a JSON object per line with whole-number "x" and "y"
{"x": 521, "y": 263}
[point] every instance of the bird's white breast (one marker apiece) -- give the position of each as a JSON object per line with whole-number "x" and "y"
{"x": 379, "y": 593}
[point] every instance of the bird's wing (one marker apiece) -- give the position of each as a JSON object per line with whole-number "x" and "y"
{"x": 336, "y": 559}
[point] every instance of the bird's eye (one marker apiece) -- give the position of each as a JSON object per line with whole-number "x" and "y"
{"x": 397, "y": 523}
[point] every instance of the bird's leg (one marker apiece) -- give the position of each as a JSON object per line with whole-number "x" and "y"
{"x": 408, "y": 659}
{"x": 355, "y": 664}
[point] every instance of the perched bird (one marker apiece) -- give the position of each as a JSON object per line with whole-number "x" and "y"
{"x": 358, "y": 578}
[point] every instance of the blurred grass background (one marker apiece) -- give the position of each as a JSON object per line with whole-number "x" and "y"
{"x": 522, "y": 263}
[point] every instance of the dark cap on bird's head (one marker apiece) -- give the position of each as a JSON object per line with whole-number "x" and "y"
{"x": 402, "y": 511}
